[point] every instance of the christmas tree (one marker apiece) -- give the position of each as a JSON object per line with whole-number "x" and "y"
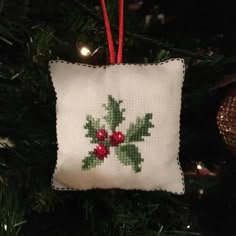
{"x": 34, "y": 32}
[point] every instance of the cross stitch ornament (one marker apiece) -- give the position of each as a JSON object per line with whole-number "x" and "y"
{"x": 121, "y": 130}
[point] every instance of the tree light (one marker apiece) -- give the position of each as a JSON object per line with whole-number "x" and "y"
{"x": 85, "y": 51}
{"x": 201, "y": 191}
{"x": 5, "y": 227}
{"x": 188, "y": 226}
{"x": 199, "y": 167}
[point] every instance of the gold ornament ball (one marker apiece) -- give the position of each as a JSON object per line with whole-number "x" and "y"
{"x": 226, "y": 120}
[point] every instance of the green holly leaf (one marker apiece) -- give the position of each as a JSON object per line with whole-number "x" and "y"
{"x": 129, "y": 155}
{"x": 91, "y": 161}
{"x": 139, "y": 129}
{"x": 92, "y": 125}
{"x": 114, "y": 113}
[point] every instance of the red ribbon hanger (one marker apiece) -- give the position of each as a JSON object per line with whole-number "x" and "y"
{"x": 109, "y": 35}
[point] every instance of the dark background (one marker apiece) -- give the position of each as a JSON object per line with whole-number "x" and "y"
{"x": 39, "y": 31}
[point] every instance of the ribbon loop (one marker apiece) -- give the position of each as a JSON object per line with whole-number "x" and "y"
{"x": 109, "y": 34}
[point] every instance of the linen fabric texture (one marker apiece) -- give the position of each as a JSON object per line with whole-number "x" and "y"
{"x": 118, "y": 126}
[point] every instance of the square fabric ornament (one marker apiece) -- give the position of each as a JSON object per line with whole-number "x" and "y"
{"x": 118, "y": 126}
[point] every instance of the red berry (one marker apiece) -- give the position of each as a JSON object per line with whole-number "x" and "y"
{"x": 101, "y": 134}
{"x": 101, "y": 151}
{"x": 116, "y": 138}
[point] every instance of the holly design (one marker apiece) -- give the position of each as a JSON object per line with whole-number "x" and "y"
{"x": 107, "y": 138}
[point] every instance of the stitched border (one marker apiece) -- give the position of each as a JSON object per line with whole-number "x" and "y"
{"x": 123, "y": 64}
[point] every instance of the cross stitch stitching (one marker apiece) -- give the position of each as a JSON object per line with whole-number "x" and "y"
{"x": 127, "y": 152}
{"x": 114, "y": 113}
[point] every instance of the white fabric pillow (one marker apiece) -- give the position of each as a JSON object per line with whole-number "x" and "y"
{"x": 118, "y": 126}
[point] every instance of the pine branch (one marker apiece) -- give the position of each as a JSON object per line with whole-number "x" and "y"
{"x": 11, "y": 214}
{"x": 166, "y": 46}
{"x": 180, "y": 233}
